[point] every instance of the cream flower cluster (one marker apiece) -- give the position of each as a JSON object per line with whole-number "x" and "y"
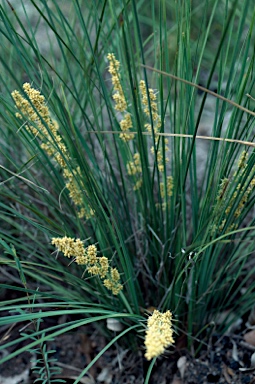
{"x": 159, "y": 334}
{"x": 150, "y": 108}
{"x": 119, "y": 98}
{"x": 169, "y": 187}
{"x": 241, "y": 188}
{"x": 96, "y": 266}
{"x": 38, "y": 115}
{"x": 166, "y": 190}
{"x": 135, "y": 167}
{"x": 40, "y": 123}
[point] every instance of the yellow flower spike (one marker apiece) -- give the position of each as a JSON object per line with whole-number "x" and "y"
{"x": 134, "y": 167}
{"x": 148, "y": 128}
{"x": 119, "y": 98}
{"x": 114, "y": 64}
{"x": 96, "y": 266}
{"x": 121, "y": 104}
{"x": 91, "y": 251}
{"x": 37, "y": 112}
{"x": 159, "y": 334}
{"x": 70, "y": 247}
{"x": 81, "y": 260}
{"x": 115, "y": 275}
{"x": 137, "y": 159}
{"x": 38, "y": 120}
{"x": 104, "y": 266}
{"x": 151, "y": 109}
{"x": 138, "y": 185}
{"x": 227, "y": 184}
{"x": 169, "y": 185}
{"x": 94, "y": 270}
{"x": 126, "y": 123}
{"x": 153, "y": 104}
{"x": 127, "y": 136}
{"x": 112, "y": 283}
{"x": 242, "y": 163}
{"x": 114, "y": 287}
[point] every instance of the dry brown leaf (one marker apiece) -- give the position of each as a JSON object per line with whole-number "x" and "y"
{"x": 226, "y": 373}
{"x": 87, "y": 349}
{"x": 249, "y": 337}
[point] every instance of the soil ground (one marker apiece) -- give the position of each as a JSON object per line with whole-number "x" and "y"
{"x": 226, "y": 359}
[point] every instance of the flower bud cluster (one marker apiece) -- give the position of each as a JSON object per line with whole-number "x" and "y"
{"x": 39, "y": 122}
{"x": 159, "y": 334}
{"x": 119, "y": 98}
{"x": 226, "y": 187}
{"x": 96, "y": 266}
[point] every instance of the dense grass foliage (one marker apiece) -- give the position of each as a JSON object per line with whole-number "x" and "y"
{"x": 156, "y": 169}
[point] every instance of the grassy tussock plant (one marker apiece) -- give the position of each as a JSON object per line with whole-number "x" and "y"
{"x": 111, "y": 199}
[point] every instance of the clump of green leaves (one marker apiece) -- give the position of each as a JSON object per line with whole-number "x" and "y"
{"x": 163, "y": 189}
